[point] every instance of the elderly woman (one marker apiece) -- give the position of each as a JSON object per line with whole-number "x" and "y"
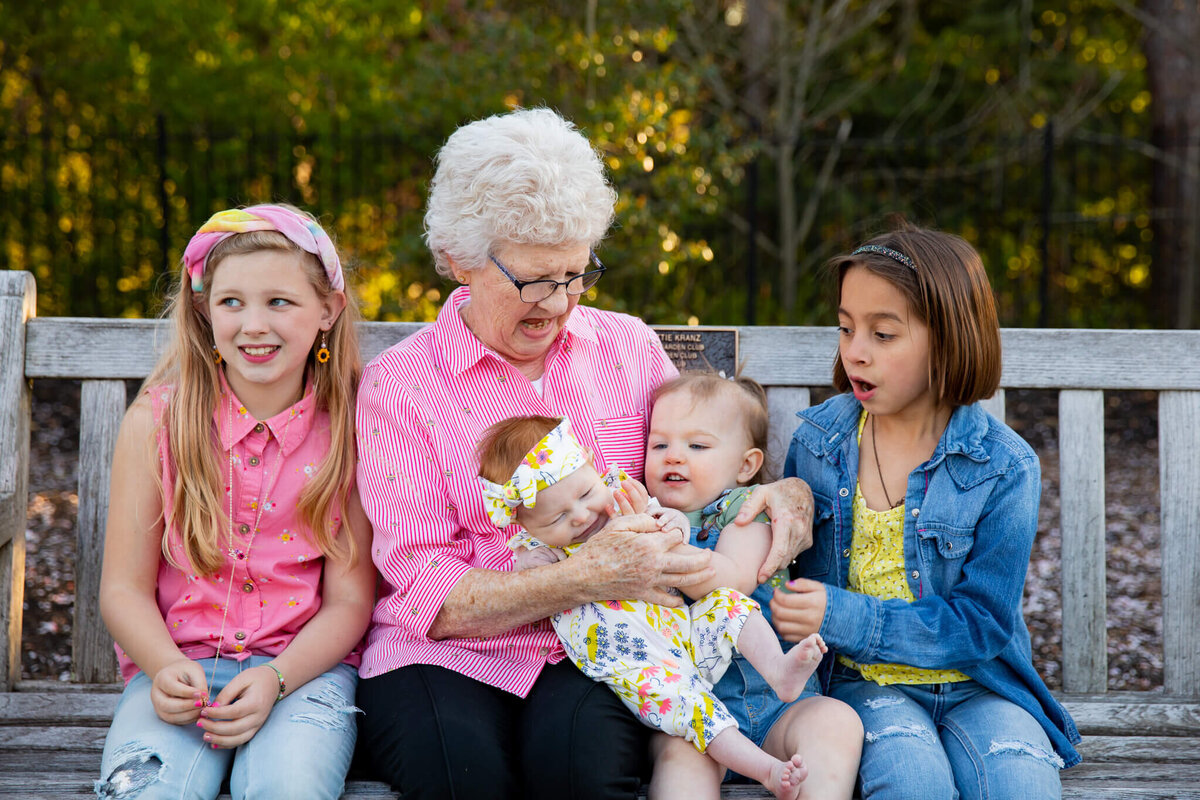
{"x": 464, "y": 686}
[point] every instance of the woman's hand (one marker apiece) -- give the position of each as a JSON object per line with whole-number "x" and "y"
{"x": 798, "y": 611}
{"x": 241, "y": 708}
{"x": 789, "y": 503}
{"x": 179, "y": 691}
{"x": 632, "y": 559}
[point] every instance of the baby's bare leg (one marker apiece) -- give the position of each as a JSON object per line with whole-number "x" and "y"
{"x": 680, "y": 770}
{"x": 731, "y": 748}
{"x": 787, "y": 673}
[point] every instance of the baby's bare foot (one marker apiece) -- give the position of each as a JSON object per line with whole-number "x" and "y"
{"x": 799, "y": 663}
{"x": 786, "y": 777}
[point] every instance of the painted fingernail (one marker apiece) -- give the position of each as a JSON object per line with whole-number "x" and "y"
{"x": 199, "y": 723}
{"x": 199, "y": 704}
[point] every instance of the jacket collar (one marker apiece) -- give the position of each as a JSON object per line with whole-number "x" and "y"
{"x": 825, "y": 428}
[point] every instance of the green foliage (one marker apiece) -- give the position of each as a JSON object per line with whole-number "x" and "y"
{"x": 127, "y": 124}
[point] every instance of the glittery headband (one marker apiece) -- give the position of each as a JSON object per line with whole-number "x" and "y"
{"x": 302, "y": 231}
{"x": 555, "y": 457}
{"x": 895, "y": 255}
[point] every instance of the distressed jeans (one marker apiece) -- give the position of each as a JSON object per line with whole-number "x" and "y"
{"x": 302, "y": 750}
{"x": 945, "y": 741}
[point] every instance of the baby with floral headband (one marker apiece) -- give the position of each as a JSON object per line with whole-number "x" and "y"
{"x": 662, "y": 662}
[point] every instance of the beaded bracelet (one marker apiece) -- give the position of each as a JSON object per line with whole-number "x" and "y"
{"x": 282, "y": 685}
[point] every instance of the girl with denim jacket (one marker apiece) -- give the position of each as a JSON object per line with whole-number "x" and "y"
{"x": 926, "y": 509}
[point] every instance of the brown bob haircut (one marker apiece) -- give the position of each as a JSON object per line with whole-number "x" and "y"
{"x": 948, "y": 291}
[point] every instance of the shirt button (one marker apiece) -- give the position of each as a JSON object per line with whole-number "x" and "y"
{"x": 543, "y": 651}
{"x": 243, "y": 528}
{"x": 843, "y": 491}
{"x": 247, "y": 587}
{"x": 254, "y": 461}
{"x": 916, "y": 574}
{"x": 240, "y": 635}
{"x": 259, "y": 428}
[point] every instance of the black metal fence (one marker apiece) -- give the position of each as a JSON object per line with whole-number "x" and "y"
{"x": 1064, "y": 223}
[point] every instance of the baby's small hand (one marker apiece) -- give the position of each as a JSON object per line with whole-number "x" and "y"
{"x": 537, "y": 557}
{"x": 672, "y": 518}
{"x": 634, "y": 494}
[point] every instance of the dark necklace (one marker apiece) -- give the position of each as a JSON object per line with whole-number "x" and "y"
{"x": 879, "y": 468}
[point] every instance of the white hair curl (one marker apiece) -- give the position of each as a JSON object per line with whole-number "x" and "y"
{"x": 524, "y": 177}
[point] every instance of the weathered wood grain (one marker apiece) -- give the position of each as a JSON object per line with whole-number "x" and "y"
{"x": 103, "y": 406}
{"x": 76, "y": 347}
{"x": 1179, "y": 464}
{"x": 18, "y": 303}
{"x": 782, "y": 404}
{"x": 1081, "y": 481}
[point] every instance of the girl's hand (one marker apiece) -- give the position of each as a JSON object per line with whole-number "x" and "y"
{"x": 632, "y": 497}
{"x": 179, "y": 692}
{"x": 241, "y": 708}
{"x": 789, "y": 503}
{"x": 798, "y": 611}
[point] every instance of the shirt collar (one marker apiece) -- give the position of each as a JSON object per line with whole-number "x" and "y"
{"x": 289, "y": 427}
{"x": 461, "y": 349}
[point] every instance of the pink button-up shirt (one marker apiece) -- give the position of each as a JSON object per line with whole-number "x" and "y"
{"x": 422, "y": 407}
{"x": 276, "y": 579}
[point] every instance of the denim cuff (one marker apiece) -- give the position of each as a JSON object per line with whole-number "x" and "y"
{"x": 852, "y": 623}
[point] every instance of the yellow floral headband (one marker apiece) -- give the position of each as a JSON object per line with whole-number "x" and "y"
{"x": 553, "y": 458}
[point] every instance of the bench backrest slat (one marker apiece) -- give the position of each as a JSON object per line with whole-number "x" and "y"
{"x": 789, "y": 361}
{"x": 102, "y": 408}
{"x": 1179, "y": 457}
{"x": 18, "y": 302}
{"x": 1081, "y": 487}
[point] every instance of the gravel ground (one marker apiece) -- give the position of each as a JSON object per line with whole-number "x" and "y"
{"x": 1135, "y": 655}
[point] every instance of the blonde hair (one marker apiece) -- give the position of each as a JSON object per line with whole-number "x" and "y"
{"x": 948, "y": 290}
{"x": 198, "y": 508}
{"x": 748, "y": 393}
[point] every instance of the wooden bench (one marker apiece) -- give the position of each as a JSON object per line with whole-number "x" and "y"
{"x": 1136, "y": 744}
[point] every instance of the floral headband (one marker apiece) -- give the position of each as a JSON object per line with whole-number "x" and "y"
{"x": 555, "y": 457}
{"x": 302, "y": 231}
{"x": 894, "y": 255}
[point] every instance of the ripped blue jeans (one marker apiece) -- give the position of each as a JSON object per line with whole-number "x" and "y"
{"x": 302, "y": 750}
{"x": 945, "y": 741}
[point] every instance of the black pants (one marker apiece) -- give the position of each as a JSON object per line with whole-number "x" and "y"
{"x": 433, "y": 733}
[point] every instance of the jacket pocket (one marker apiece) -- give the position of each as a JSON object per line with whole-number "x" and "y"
{"x": 947, "y": 541}
{"x": 622, "y": 442}
{"x": 817, "y": 561}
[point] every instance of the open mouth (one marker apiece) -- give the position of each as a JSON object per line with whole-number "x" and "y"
{"x": 537, "y": 324}
{"x": 674, "y": 477}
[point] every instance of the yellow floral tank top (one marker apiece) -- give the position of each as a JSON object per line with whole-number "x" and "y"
{"x": 877, "y": 569}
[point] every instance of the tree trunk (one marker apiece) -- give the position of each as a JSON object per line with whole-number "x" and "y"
{"x": 1173, "y": 72}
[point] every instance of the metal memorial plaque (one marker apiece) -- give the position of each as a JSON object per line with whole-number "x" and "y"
{"x": 701, "y": 349}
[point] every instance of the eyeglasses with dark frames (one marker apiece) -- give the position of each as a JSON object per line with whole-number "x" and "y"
{"x": 537, "y": 291}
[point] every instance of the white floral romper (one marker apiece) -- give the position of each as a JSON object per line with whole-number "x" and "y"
{"x": 662, "y": 662}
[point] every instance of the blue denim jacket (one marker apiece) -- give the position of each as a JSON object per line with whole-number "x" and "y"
{"x": 970, "y": 517}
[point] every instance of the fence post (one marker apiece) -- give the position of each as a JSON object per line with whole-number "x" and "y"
{"x": 18, "y": 302}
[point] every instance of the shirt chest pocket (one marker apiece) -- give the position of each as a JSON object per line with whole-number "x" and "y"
{"x": 622, "y": 442}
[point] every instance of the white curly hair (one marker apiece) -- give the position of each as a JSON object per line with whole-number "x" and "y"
{"x": 525, "y": 177}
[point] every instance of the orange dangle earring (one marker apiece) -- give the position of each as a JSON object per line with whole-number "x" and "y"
{"x": 216, "y": 354}
{"x": 323, "y": 350}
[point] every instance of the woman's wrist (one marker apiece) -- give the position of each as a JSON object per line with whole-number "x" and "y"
{"x": 279, "y": 677}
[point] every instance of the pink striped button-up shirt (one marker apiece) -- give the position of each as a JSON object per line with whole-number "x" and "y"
{"x": 422, "y": 407}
